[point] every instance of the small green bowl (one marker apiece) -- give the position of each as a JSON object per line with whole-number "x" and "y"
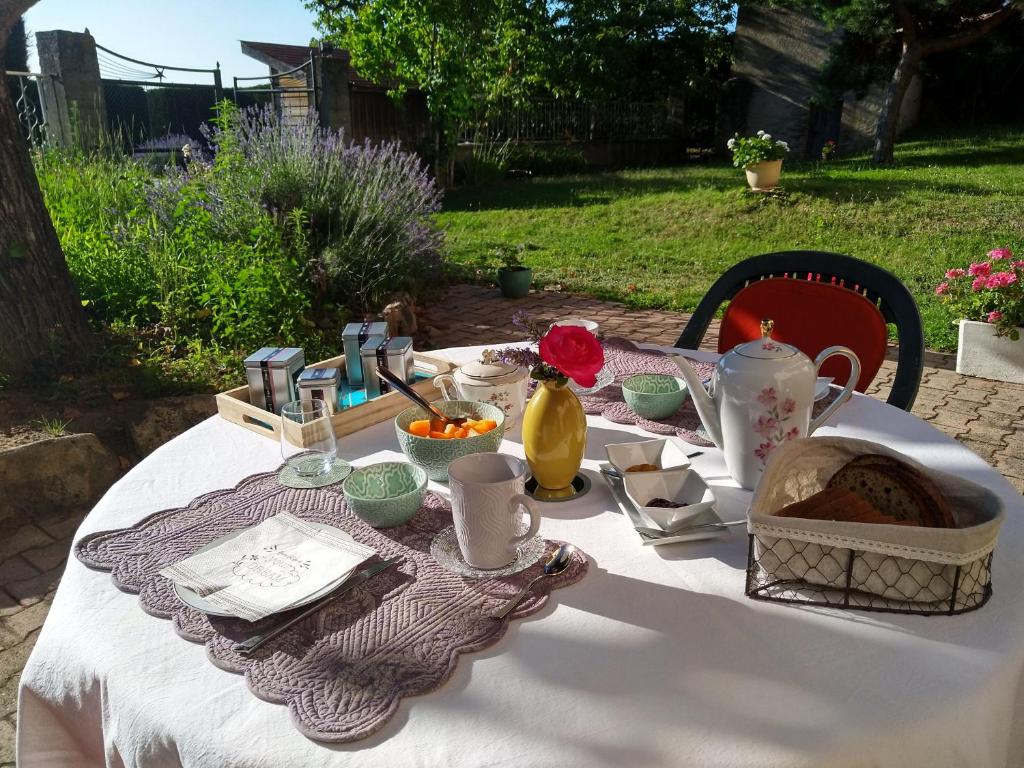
{"x": 433, "y": 454}
{"x": 654, "y": 395}
{"x": 387, "y": 494}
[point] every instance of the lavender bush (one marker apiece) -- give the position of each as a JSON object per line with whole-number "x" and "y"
{"x": 364, "y": 211}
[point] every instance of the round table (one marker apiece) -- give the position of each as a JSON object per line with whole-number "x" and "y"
{"x": 655, "y": 658}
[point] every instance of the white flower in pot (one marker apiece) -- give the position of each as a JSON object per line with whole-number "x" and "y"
{"x": 761, "y": 157}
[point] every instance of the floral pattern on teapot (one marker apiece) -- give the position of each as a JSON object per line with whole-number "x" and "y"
{"x": 771, "y": 425}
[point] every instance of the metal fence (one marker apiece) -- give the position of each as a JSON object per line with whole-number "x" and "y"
{"x": 537, "y": 120}
{"x": 24, "y": 88}
{"x": 294, "y": 93}
{"x": 143, "y": 106}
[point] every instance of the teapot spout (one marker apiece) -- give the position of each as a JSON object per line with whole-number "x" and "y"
{"x": 706, "y": 408}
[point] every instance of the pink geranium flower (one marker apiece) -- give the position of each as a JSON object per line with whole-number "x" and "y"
{"x": 981, "y": 269}
{"x": 1019, "y": 264}
{"x": 942, "y": 289}
{"x": 763, "y": 450}
{"x": 1001, "y": 279}
{"x": 1000, "y": 253}
{"x": 995, "y": 316}
{"x": 788, "y": 406}
{"x": 767, "y": 396}
{"x": 979, "y": 283}
{"x": 953, "y": 274}
{"x": 765, "y": 425}
{"x": 794, "y": 432}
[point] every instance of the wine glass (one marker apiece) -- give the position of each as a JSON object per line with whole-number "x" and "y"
{"x": 307, "y": 438}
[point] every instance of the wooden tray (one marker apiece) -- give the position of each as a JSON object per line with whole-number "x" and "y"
{"x": 234, "y": 404}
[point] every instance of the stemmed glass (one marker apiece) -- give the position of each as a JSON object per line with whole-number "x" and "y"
{"x": 307, "y": 438}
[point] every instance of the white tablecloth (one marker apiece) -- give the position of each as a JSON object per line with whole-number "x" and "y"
{"x": 655, "y": 658}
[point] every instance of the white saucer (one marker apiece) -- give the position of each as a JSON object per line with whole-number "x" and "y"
{"x": 822, "y": 386}
{"x": 193, "y": 600}
{"x": 445, "y": 549}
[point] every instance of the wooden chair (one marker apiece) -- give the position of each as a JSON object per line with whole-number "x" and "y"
{"x": 818, "y": 299}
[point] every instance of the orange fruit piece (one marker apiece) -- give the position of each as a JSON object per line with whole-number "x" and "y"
{"x": 450, "y": 429}
{"x": 439, "y": 435}
{"x": 473, "y": 433}
{"x": 485, "y": 425}
{"x": 420, "y": 428}
{"x": 461, "y": 432}
{"x": 436, "y": 425}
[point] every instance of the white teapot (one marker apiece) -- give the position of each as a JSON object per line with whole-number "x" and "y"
{"x": 488, "y": 380}
{"x": 763, "y": 396}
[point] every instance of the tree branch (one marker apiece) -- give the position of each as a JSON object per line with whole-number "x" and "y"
{"x": 978, "y": 28}
{"x": 10, "y": 12}
{"x": 908, "y": 26}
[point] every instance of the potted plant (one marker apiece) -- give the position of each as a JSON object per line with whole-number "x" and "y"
{"x": 513, "y": 277}
{"x": 989, "y": 296}
{"x": 761, "y": 157}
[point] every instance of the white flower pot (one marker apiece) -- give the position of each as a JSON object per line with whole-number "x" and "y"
{"x": 982, "y": 353}
{"x": 764, "y": 175}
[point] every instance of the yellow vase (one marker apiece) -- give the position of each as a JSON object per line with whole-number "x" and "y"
{"x": 554, "y": 438}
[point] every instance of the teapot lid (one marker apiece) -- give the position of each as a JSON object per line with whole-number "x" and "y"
{"x": 489, "y": 368}
{"x": 766, "y": 348}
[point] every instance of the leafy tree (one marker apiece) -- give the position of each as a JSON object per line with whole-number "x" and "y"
{"x": 638, "y": 49}
{"x": 41, "y": 318}
{"x": 461, "y": 51}
{"x": 454, "y": 51}
{"x": 891, "y": 38}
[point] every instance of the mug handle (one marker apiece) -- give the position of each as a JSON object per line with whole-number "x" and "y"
{"x": 522, "y": 501}
{"x": 847, "y": 392}
{"x": 443, "y": 382}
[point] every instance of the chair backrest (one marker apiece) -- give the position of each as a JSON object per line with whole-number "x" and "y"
{"x": 878, "y": 286}
{"x": 811, "y": 316}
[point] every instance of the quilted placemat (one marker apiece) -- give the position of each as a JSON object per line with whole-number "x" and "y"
{"x": 623, "y": 358}
{"x": 343, "y": 671}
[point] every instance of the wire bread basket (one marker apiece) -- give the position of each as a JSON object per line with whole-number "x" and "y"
{"x": 891, "y": 568}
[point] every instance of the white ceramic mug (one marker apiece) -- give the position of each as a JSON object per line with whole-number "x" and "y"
{"x": 487, "y": 503}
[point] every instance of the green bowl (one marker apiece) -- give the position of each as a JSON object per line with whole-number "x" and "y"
{"x": 654, "y": 395}
{"x": 387, "y": 494}
{"x": 433, "y": 454}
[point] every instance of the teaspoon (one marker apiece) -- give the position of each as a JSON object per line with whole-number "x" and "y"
{"x": 558, "y": 563}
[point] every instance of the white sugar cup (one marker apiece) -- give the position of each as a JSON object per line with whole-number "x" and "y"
{"x": 578, "y": 322}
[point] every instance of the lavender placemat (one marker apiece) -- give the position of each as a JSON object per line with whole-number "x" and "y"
{"x": 343, "y": 671}
{"x": 623, "y": 358}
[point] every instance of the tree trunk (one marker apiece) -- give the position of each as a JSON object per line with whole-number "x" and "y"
{"x": 42, "y": 324}
{"x": 889, "y": 117}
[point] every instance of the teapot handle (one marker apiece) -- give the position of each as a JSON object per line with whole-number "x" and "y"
{"x": 847, "y": 392}
{"x": 446, "y": 383}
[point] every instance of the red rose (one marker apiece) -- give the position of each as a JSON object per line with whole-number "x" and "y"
{"x": 574, "y": 351}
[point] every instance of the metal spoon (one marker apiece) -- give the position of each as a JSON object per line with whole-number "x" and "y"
{"x": 416, "y": 397}
{"x": 558, "y": 563}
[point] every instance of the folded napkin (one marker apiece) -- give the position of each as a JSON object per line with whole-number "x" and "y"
{"x": 270, "y": 567}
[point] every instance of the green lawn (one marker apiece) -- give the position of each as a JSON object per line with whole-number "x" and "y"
{"x": 659, "y": 238}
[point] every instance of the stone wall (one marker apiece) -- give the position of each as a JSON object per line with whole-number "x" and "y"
{"x": 779, "y": 54}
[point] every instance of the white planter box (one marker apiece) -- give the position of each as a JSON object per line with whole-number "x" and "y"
{"x": 982, "y": 353}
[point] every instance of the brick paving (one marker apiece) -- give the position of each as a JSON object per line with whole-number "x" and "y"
{"x": 986, "y": 416}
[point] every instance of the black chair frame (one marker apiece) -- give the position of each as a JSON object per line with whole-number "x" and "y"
{"x": 879, "y": 286}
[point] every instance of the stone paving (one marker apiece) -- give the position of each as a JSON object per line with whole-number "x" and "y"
{"x": 986, "y": 416}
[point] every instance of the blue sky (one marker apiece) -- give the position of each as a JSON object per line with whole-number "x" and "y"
{"x": 186, "y": 33}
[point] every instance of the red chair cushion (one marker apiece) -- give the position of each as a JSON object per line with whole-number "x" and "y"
{"x": 811, "y": 316}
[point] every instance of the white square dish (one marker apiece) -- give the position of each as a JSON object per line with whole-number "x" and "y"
{"x": 663, "y": 453}
{"x": 680, "y": 486}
